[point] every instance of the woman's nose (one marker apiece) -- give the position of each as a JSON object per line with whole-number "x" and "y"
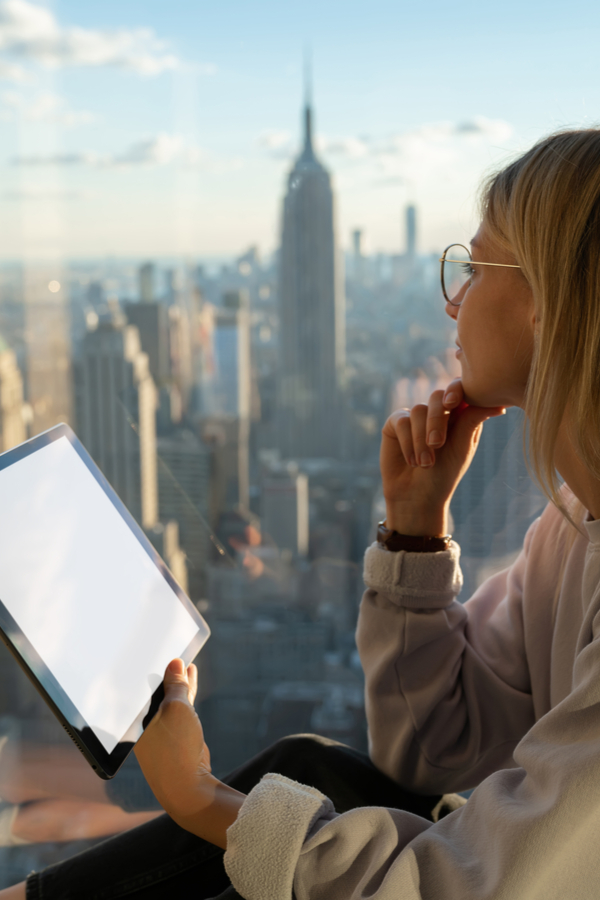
{"x": 451, "y": 310}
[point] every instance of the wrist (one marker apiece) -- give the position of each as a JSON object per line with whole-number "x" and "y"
{"x": 416, "y": 520}
{"x": 217, "y": 808}
{"x": 410, "y": 543}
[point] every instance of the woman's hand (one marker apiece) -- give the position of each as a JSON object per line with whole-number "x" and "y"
{"x": 176, "y": 762}
{"x": 425, "y": 451}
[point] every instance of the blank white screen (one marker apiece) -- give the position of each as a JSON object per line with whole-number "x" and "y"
{"x": 84, "y": 591}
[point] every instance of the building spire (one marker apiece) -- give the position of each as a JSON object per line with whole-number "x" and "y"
{"x": 308, "y": 147}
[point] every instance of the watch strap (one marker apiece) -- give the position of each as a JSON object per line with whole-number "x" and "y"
{"x": 411, "y": 543}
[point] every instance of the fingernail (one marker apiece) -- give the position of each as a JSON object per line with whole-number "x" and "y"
{"x": 435, "y": 437}
{"x": 451, "y": 397}
{"x": 176, "y": 667}
{"x": 426, "y": 458}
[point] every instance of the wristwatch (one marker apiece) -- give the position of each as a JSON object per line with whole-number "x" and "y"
{"x": 411, "y": 543}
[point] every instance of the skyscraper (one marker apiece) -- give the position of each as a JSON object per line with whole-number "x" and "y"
{"x": 184, "y": 474}
{"x": 152, "y": 321}
{"x": 115, "y": 388}
{"x": 284, "y": 513}
{"x": 411, "y": 231}
{"x": 146, "y": 280}
{"x": 12, "y": 425}
{"x": 312, "y": 335}
{"x": 47, "y": 339}
{"x": 224, "y": 379}
{"x": 358, "y": 260}
{"x": 226, "y": 386}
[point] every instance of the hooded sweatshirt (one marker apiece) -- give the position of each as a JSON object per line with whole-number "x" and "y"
{"x": 501, "y": 694}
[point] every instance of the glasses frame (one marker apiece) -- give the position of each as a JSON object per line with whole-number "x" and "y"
{"x": 444, "y": 258}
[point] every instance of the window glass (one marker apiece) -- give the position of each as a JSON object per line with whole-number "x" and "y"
{"x": 220, "y": 235}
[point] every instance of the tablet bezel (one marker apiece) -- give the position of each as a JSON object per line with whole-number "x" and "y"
{"x": 104, "y": 764}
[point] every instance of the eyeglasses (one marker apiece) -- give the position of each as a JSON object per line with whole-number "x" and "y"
{"x": 457, "y": 271}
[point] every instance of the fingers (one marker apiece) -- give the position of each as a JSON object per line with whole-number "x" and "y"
{"x": 408, "y": 426}
{"x": 177, "y": 683}
{"x": 424, "y": 428}
{"x": 418, "y": 419}
{"x": 403, "y": 430}
{"x": 454, "y": 394}
{"x": 436, "y": 424}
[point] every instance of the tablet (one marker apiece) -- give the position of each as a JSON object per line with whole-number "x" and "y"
{"x": 87, "y": 606}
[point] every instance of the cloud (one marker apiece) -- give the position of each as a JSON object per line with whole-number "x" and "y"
{"x": 155, "y": 151}
{"x": 60, "y": 159}
{"x": 280, "y": 145}
{"x": 13, "y": 72}
{"x": 43, "y": 107}
{"x": 277, "y": 144}
{"x": 474, "y": 132}
{"x": 32, "y": 33}
{"x": 427, "y": 144}
{"x": 439, "y": 148}
{"x": 161, "y": 150}
{"x": 349, "y": 147}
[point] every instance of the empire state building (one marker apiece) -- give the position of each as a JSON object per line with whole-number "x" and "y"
{"x": 312, "y": 313}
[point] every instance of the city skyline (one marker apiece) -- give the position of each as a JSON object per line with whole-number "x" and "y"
{"x": 137, "y": 130}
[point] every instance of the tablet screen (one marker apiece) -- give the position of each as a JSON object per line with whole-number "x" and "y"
{"x": 85, "y": 591}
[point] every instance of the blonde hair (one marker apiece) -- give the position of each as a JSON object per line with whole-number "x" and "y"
{"x": 544, "y": 209}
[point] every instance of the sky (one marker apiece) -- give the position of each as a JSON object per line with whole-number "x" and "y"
{"x": 168, "y": 129}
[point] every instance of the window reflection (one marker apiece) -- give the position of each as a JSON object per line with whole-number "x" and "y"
{"x": 236, "y": 407}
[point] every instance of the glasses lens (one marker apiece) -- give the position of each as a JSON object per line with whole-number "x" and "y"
{"x": 456, "y": 270}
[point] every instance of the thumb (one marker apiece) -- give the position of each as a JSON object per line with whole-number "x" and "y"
{"x": 176, "y": 682}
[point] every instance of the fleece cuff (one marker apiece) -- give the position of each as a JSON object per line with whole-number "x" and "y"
{"x": 264, "y": 843}
{"x": 414, "y": 580}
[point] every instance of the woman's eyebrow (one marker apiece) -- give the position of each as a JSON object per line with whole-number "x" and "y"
{"x": 474, "y": 242}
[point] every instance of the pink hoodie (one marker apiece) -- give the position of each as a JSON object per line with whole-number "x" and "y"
{"x": 503, "y": 693}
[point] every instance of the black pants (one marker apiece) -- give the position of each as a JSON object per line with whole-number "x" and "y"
{"x": 160, "y": 860}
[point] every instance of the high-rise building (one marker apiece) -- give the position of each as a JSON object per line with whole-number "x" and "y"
{"x": 181, "y": 356}
{"x": 172, "y": 286}
{"x": 284, "y": 509}
{"x": 117, "y": 414}
{"x": 312, "y": 313}
{"x": 12, "y": 424}
{"x": 146, "y": 278}
{"x": 152, "y": 321}
{"x": 225, "y": 390}
{"x": 411, "y": 231}
{"x": 226, "y": 378}
{"x": 357, "y": 256}
{"x": 48, "y": 347}
{"x": 165, "y": 539}
{"x": 184, "y": 474}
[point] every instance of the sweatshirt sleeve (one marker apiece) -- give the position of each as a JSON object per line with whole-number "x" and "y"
{"x": 448, "y": 693}
{"x": 527, "y": 832}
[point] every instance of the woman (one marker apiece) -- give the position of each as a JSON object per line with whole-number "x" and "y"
{"x": 503, "y": 692}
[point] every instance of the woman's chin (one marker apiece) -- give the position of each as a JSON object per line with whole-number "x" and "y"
{"x": 484, "y": 399}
